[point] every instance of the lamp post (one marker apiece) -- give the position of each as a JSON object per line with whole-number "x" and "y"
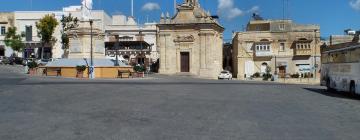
{"x": 315, "y": 65}
{"x": 92, "y": 74}
{"x": 141, "y": 45}
{"x": 117, "y": 50}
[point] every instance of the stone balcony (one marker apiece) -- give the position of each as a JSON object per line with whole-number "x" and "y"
{"x": 302, "y": 52}
{"x": 263, "y": 53}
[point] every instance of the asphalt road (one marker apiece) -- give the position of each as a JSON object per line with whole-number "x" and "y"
{"x": 171, "y": 108}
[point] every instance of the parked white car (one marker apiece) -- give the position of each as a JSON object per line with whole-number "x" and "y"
{"x": 1, "y": 59}
{"x": 225, "y": 75}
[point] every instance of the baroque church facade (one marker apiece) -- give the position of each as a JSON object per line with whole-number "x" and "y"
{"x": 190, "y": 43}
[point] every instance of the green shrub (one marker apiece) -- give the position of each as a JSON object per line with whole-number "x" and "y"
{"x": 32, "y": 65}
{"x": 139, "y": 68}
{"x": 256, "y": 75}
{"x": 297, "y": 75}
{"x": 267, "y": 76}
{"x": 81, "y": 68}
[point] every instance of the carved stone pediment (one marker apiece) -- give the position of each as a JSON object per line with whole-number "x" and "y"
{"x": 189, "y": 38}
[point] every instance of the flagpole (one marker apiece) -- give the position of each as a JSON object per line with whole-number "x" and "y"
{"x": 31, "y": 5}
{"x": 132, "y": 8}
{"x": 174, "y": 7}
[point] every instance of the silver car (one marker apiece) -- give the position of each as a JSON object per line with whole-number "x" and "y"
{"x": 225, "y": 75}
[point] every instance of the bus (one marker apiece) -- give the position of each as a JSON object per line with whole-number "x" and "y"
{"x": 340, "y": 70}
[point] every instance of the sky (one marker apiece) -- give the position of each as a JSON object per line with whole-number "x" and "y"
{"x": 333, "y": 16}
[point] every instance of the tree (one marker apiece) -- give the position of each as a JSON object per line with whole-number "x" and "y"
{"x": 68, "y": 23}
{"x": 13, "y": 40}
{"x": 46, "y": 27}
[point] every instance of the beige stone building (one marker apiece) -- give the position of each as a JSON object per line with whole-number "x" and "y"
{"x": 6, "y": 21}
{"x": 286, "y": 47}
{"x": 190, "y": 43}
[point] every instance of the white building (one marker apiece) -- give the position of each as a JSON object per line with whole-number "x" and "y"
{"x": 25, "y": 21}
{"x": 6, "y": 21}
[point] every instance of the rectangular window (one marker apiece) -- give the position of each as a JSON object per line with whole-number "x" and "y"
{"x": 282, "y": 47}
{"x": 3, "y": 30}
{"x": 282, "y": 27}
{"x": 263, "y": 47}
{"x": 28, "y": 33}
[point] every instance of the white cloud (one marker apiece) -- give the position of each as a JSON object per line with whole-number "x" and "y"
{"x": 254, "y": 9}
{"x": 226, "y": 8}
{"x": 355, "y": 4}
{"x": 150, "y": 6}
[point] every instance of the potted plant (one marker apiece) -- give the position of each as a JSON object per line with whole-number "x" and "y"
{"x": 139, "y": 69}
{"x": 80, "y": 71}
{"x": 32, "y": 67}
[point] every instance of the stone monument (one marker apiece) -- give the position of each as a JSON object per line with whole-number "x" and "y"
{"x": 85, "y": 41}
{"x": 80, "y": 38}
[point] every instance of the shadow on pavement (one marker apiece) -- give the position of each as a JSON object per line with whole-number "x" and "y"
{"x": 151, "y": 83}
{"x": 334, "y": 94}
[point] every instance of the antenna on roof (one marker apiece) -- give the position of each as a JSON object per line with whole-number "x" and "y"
{"x": 257, "y": 17}
{"x": 174, "y": 7}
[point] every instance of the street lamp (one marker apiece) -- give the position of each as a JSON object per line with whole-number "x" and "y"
{"x": 315, "y": 65}
{"x": 117, "y": 50}
{"x": 141, "y": 45}
{"x": 91, "y": 70}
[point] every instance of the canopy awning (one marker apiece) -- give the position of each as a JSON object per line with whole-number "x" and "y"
{"x": 128, "y": 43}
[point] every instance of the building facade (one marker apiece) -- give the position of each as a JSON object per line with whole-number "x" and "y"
{"x": 191, "y": 42}
{"x": 6, "y": 21}
{"x": 136, "y": 43}
{"x": 25, "y": 22}
{"x": 287, "y": 48}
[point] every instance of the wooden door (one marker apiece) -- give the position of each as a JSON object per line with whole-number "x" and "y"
{"x": 282, "y": 71}
{"x": 185, "y": 61}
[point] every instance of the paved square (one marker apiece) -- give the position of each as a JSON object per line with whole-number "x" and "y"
{"x": 170, "y": 108}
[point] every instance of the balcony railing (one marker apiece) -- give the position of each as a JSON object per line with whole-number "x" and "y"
{"x": 302, "y": 52}
{"x": 263, "y": 53}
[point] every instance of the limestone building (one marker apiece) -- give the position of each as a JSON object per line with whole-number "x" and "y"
{"x": 286, "y": 47}
{"x": 190, "y": 43}
{"x": 6, "y": 21}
